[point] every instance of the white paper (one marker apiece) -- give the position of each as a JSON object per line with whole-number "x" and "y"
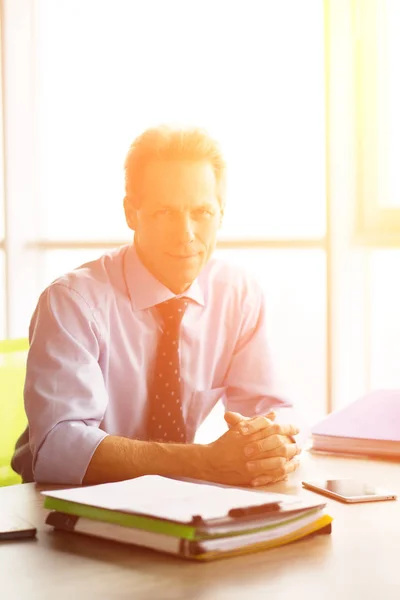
{"x": 171, "y": 499}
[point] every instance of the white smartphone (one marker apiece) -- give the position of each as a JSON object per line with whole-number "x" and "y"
{"x": 349, "y": 490}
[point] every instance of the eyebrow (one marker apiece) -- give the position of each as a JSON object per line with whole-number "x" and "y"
{"x": 206, "y": 204}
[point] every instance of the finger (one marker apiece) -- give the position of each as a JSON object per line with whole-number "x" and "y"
{"x": 292, "y": 465}
{"x": 286, "y": 429}
{"x": 276, "y": 475}
{"x": 273, "y": 429}
{"x": 262, "y": 423}
{"x": 255, "y": 425}
{"x": 266, "y": 479}
{"x": 259, "y": 435}
{"x": 279, "y": 474}
{"x": 288, "y": 451}
{"x": 262, "y": 480}
{"x": 271, "y": 416}
{"x": 268, "y": 445}
{"x": 233, "y": 418}
{"x": 267, "y": 466}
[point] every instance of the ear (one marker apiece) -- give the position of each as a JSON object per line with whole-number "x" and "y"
{"x": 130, "y": 212}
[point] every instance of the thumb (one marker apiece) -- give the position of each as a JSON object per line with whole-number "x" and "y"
{"x": 233, "y": 418}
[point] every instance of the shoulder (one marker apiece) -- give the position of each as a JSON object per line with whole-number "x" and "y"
{"x": 228, "y": 278}
{"x": 91, "y": 283}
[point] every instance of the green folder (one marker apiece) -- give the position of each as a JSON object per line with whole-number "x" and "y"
{"x": 120, "y": 518}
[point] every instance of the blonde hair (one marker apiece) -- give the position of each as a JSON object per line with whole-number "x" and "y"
{"x": 173, "y": 143}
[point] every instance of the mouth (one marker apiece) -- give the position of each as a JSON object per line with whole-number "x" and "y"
{"x": 183, "y": 256}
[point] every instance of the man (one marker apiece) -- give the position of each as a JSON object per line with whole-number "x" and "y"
{"x": 129, "y": 353}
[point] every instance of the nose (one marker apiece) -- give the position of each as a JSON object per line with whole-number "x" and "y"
{"x": 185, "y": 228}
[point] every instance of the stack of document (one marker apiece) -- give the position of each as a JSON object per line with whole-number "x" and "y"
{"x": 369, "y": 426}
{"x": 190, "y": 519}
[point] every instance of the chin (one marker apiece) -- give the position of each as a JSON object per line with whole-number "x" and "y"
{"x": 185, "y": 280}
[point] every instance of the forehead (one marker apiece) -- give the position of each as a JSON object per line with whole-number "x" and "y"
{"x": 177, "y": 181}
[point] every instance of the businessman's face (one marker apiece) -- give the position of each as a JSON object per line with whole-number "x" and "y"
{"x": 176, "y": 220}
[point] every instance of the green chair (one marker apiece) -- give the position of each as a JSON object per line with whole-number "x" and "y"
{"x": 12, "y": 412}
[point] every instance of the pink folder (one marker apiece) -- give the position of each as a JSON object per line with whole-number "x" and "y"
{"x": 369, "y": 425}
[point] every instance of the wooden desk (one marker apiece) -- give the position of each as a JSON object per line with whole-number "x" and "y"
{"x": 359, "y": 561}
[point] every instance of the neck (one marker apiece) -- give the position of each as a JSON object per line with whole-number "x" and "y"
{"x": 175, "y": 289}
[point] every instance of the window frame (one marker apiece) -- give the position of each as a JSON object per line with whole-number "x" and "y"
{"x": 376, "y": 224}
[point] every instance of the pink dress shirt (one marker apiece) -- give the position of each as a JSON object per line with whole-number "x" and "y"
{"x": 93, "y": 339}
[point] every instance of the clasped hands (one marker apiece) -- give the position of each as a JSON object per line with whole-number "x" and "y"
{"x": 254, "y": 451}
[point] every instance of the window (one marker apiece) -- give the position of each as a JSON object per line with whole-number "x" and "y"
{"x": 251, "y": 73}
{"x": 384, "y": 319}
{"x": 378, "y": 101}
{"x": 54, "y": 263}
{"x": 2, "y": 218}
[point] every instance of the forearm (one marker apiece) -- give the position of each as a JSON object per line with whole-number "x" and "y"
{"x": 118, "y": 458}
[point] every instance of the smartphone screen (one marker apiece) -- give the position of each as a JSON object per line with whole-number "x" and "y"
{"x": 349, "y": 490}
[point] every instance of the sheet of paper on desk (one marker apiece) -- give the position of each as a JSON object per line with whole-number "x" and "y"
{"x": 170, "y": 499}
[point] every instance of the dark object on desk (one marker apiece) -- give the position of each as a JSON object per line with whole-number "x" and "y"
{"x": 262, "y": 509}
{"x": 13, "y": 527}
{"x": 369, "y": 426}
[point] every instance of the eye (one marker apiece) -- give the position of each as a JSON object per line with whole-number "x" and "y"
{"x": 203, "y": 212}
{"x": 164, "y": 212}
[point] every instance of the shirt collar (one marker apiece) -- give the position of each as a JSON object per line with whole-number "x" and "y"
{"x": 145, "y": 290}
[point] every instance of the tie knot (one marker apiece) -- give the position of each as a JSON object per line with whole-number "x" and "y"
{"x": 172, "y": 311}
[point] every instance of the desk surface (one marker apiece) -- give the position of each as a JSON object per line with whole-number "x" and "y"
{"x": 359, "y": 560}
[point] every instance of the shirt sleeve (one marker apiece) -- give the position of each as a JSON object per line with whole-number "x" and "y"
{"x": 250, "y": 379}
{"x": 65, "y": 395}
